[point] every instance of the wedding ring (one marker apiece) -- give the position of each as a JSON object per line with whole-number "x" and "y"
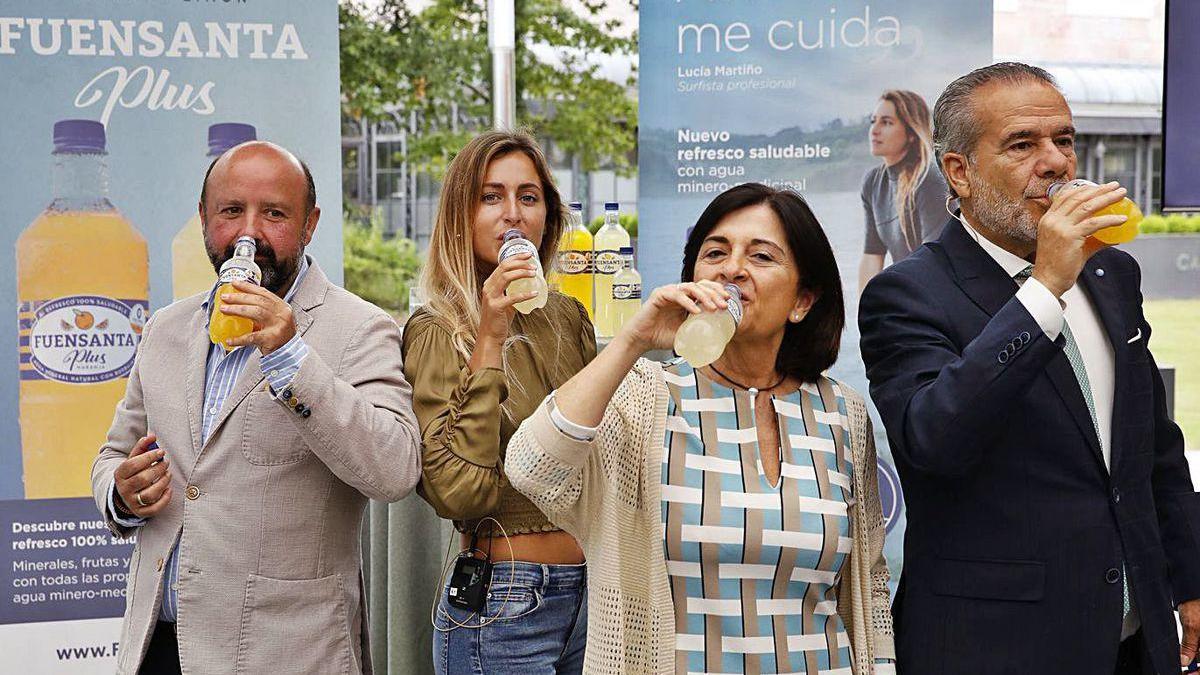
{"x": 138, "y": 497}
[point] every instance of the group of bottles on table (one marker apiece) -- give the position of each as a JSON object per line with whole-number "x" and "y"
{"x": 598, "y": 271}
{"x": 79, "y": 329}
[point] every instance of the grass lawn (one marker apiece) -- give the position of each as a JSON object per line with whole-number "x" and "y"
{"x": 1176, "y": 326}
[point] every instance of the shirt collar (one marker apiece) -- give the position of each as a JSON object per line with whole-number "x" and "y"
{"x": 1011, "y": 263}
{"x": 300, "y": 274}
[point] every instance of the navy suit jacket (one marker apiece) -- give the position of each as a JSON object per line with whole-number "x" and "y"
{"x": 1017, "y": 533}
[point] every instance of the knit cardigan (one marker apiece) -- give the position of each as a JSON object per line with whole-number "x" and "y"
{"x": 606, "y": 492}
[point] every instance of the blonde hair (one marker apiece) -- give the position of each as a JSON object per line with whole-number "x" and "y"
{"x": 450, "y": 279}
{"x": 913, "y": 113}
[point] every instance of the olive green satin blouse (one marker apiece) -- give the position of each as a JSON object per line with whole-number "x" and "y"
{"x": 467, "y": 418}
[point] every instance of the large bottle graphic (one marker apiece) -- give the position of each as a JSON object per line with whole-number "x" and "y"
{"x": 191, "y": 270}
{"x": 82, "y": 299}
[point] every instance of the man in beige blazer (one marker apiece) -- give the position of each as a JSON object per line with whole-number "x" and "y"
{"x": 245, "y": 473}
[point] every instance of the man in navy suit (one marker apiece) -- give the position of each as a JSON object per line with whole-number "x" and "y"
{"x": 1052, "y": 523}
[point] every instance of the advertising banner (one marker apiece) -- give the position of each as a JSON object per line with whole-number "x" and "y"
{"x": 831, "y": 99}
{"x": 112, "y": 112}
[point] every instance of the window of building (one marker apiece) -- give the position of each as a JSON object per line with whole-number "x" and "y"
{"x": 350, "y": 170}
{"x": 1121, "y": 164}
{"x": 1155, "y": 201}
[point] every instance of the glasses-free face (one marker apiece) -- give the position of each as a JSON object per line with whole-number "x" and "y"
{"x": 511, "y": 197}
{"x": 749, "y": 248}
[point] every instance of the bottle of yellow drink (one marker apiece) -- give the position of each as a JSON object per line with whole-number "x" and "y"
{"x": 83, "y": 297}
{"x": 191, "y": 270}
{"x": 1117, "y": 234}
{"x": 574, "y": 273}
{"x": 701, "y": 339}
{"x": 626, "y": 291}
{"x": 241, "y": 267}
{"x": 608, "y": 242}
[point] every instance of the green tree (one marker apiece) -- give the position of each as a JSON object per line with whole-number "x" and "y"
{"x": 436, "y": 62}
{"x": 378, "y": 268}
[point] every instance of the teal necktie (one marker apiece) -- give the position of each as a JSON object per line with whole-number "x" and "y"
{"x": 1071, "y": 349}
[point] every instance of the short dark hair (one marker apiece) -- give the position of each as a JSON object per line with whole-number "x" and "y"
{"x": 811, "y": 346}
{"x": 310, "y": 199}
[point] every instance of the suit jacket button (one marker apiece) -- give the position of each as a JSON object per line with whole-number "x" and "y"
{"x": 1116, "y": 496}
{"x": 193, "y": 492}
{"x": 1113, "y": 575}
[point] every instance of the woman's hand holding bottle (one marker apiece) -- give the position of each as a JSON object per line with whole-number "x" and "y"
{"x": 654, "y": 325}
{"x": 496, "y": 310}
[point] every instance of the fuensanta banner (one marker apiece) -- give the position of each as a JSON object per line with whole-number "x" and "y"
{"x": 829, "y": 98}
{"x": 112, "y": 112}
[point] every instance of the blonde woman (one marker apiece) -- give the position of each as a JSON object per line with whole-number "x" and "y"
{"x": 478, "y": 368}
{"x": 730, "y": 513}
{"x": 904, "y": 197}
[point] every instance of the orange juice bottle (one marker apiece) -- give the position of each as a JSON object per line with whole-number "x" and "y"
{"x": 574, "y": 268}
{"x": 83, "y": 296}
{"x": 1117, "y": 234}
{"x": 191, "y": 270}
{"x": 241, "y": 267}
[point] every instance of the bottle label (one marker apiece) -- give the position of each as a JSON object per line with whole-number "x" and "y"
{"x": 609, "y": 261}
{"x": 735, "y": 310}
{"x": 237, "y": 273}
{"x": 574, "y": 262}
{"x": 627, "y": 291}
{"x": 517, "y": 246}
{"x": 80, "y": 339}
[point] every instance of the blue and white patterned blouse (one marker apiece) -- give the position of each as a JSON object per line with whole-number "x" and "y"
{"x": 753, "y": 566}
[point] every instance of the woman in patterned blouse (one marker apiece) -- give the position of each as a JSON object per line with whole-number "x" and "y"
{"x": 729, "y": 514}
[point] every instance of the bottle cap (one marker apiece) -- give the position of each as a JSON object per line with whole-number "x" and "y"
{"x": 225, "y": 135}
{"x": 611, "y": 206}
{"x": 82, "y": 137}
{"x": 245, "y": 246}
{"x": 513, "y": 234}
{"x": 576, "y": 206}
{"x": 626, "y": 250}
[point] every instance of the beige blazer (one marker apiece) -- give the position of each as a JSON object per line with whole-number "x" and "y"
{"x": 267, "y": 512}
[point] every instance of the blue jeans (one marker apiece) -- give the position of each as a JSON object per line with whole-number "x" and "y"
{"x": 540, "y": 626}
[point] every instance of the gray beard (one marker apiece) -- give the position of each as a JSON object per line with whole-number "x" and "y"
{"x": 998, "y": 213}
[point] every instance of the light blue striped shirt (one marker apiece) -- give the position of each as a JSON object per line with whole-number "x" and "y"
{"x": 220, "y": 375}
